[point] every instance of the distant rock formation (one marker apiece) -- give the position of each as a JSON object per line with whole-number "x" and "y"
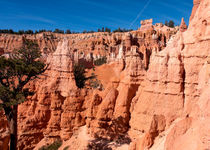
{"x": 183, "y": 26}
{"x": 85, "y": 48}
{"x": 146, "y": 25}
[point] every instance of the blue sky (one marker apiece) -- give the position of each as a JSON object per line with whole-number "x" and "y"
{"x": 79, "y": 15}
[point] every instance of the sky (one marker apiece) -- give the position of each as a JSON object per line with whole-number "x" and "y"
{"x": 80, "y": 15}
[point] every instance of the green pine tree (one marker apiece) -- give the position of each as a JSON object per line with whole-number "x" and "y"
{"x": 15, "y": 72}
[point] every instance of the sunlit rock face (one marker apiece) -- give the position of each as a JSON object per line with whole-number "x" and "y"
{"x": 146, "y": 25}
{"x": 183, "y": 26}
{"x": 58, "y": 107}
{"x": 173, "y": 95}
{"x": 155, "y": 88}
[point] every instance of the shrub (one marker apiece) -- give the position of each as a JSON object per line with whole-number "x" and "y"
{"x": 100, "y": 61}
{"x": 58, "y": 31}
{"x": 68, "y": 31}
{"x": 66, "y": 148}
{"x": 170, "y": 23}
{"x": 122, "y": 30}
{"x": 80, "y": 78}
{"x": 95, "y": 83}
{"x": 79, "y": 75}
{"x": 53, "y": 146}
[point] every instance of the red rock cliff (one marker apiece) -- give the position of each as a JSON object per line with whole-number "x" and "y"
{"x": 172, "y": 108}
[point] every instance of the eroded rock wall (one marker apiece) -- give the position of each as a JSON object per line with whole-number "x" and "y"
{"x": 173, "y": 91}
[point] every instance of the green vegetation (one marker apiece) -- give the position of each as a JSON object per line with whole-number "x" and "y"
{"x": 53, "y": 146}
{"x": 85, "y": 31}
{"x": 100, "y": 61}
{"x": 66, "y": 148}
{"x": 58, "y": 31}
{"x": 116, "y": 30}
{"x": 68, "y": 31}
{"x": 95, "y": 83}
{"x": 20, "y": 32}
{"x": 170, "y": 23}
{"x": 107, "y": 30}
{"x": 81, "y": 79}
{"x": 122, "y": 30}
{"x": 104, "y": 29}
{"x": 79, "y": 75}
{"x": 16, "y": 71}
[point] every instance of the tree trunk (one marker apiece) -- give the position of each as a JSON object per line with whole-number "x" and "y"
{"x": 11, "y": 114}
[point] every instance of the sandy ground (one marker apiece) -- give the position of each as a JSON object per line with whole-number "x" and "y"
{"x": 80, "y": 140}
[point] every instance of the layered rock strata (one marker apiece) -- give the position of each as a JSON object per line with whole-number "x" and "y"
{"x": 172, "y": 106}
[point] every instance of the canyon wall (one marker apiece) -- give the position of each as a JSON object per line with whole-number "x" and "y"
{"x": 156, "y": 88}
{"x": 172, "y": 108}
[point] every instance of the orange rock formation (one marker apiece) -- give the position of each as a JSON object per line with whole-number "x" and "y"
{"x": 156, "y": 88}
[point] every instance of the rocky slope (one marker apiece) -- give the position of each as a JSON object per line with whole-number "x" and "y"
{"x": 154, "y": 97}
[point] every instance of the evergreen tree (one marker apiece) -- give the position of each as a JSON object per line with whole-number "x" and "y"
{"x": 21, "y": 32}
{"x": 43, "y": 30}
{"x": 68, "y": 31}
{"x": 102, "y": 30}
{"x": 171, "y": 24}
{"x": 79, "y": 75}
{"x": 58, "y": 31}
{"x": 29, "y": 32}
{"x": 11, "y": 31}
{"x": 107, "y": 30}
{"x": 16, "y": 71}
{"x": 166, "y": 23}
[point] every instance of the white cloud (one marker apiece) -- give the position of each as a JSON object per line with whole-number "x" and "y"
{"x": 35, "y": 18}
